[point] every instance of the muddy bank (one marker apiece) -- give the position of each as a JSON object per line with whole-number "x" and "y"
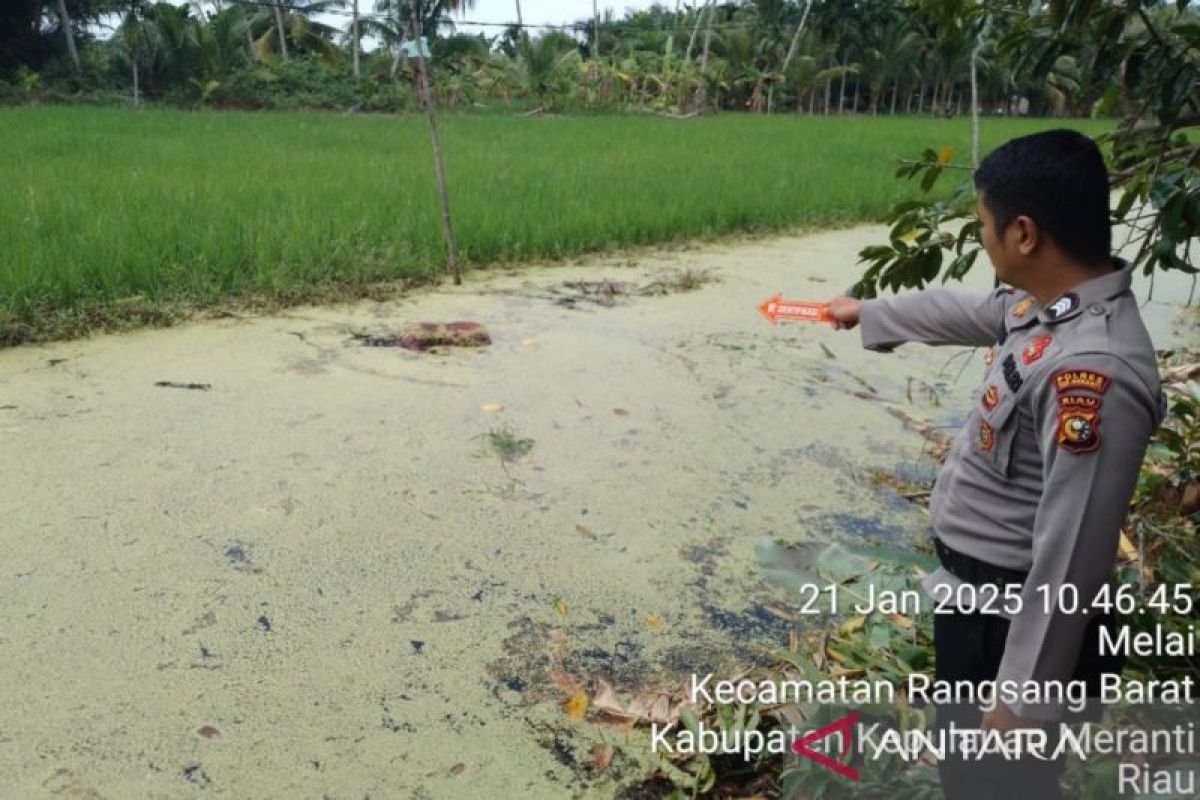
{"x": 253, "y": 557}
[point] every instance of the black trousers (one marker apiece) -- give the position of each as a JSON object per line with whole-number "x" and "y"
{"x": 968, "y": 647}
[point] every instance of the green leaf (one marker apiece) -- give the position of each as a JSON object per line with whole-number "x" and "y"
{"x": 931, "y": 176}
{"x": 836, "y": 563}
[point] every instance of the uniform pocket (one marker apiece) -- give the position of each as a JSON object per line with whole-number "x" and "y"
{"x": 995, "y": 429}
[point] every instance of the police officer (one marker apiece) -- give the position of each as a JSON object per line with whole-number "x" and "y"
{"x": 1038, "y": 483}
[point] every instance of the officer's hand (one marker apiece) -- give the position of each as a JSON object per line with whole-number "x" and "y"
{"x": 1001, "y": 718}
{"x": 844, "y": 311}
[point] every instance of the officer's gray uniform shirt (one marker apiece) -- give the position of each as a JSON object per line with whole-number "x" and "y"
{"x": 1041, "y": 476}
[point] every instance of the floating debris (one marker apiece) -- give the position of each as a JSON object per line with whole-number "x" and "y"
{"x": 423, "y": 336}
{"x": 198, "y": 387}
{"x": 507, "y": 444}
{"x": 606, "y": 292}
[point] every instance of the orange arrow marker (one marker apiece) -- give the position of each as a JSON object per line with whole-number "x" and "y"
{"x": 776, "y": 309}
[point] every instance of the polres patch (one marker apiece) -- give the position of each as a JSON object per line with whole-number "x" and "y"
{"x": 1085, "y": 401}
{"x": 1079, "y": 424}
{"x": 1033, "y": 351}
{"x": 1068, "y": 379}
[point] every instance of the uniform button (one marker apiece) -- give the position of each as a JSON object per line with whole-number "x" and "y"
{"x": 1096, "y": 309}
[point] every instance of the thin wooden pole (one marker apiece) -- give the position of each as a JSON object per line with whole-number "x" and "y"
{"x": 357, "y": 43}
{"x": 438, "y": 167}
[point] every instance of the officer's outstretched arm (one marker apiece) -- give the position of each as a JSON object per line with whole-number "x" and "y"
{"x": 934, "y": 316}
{"x": 1094, "y": 419}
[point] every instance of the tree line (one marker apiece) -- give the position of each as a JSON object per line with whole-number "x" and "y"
{"x": 761, "y": 56}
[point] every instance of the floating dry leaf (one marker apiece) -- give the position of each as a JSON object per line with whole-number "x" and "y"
{"x": 780, "y": 613}
{"x": 585, "y": 532}
{"x": 655, "y": 623}
{"x": 610, "y": 707}
{"x": 620, "y": 412}
{"x": 660, "y": 709}
{"x": 565, "y": 683}
{"x": 945, "y": 154}
{"x": 491, "y": 408}
{"x": 560, "y": 607}
{"x": 602, "y": 756}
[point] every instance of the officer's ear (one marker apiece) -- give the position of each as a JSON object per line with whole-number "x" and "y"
{"x": 1025, "y": 235}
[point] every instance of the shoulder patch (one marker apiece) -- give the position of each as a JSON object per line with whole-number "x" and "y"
{"x": 1079, "y": 401}
{"x": 1079, "y": 423}
{"x": 1033, "y": 351}
{"x": 1068, "y": 379}
{"x": 1063, "y": 305}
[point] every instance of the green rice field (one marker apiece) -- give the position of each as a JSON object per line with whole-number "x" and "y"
{"x": 110, "y": 209}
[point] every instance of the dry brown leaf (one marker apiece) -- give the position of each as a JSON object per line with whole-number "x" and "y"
{"x": 565, "y": 683}
{"x": 779, "y": 612}
{"x": 560, "y": 607}
{"x": 660, "y": 710}
{"x": 585, "y": 532}
{"x": 638, "y": 708}
{"x": 602, "y": 756}
{"x": 1181, "y": 374}
{"x": 655, "y": 623}
{"x": 793, "y": 642}
{"x": 605, "y": 699}
{"x": 620, "y": 412}
{"x": 1126, "y": 549}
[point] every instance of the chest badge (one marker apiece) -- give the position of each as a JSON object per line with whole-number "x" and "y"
{"x": 1033, "y": 351}
{"x": 1079, "y": 424}
{"x": 986, "y": 439}
{"x": 1012, "y": 375}
{"x": 990, "y": 398}
{"x": 1022, "y": 308}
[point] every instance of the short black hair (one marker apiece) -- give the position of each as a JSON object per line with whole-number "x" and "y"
{"x": 1058, "y": 179}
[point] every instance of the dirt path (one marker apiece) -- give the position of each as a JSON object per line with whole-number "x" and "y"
{"x": 311, "y": 579}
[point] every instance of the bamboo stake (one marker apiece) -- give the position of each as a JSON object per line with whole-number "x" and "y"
{"x": 438, "y": 167}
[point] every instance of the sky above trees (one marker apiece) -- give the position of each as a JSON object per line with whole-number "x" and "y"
{"x": 548, "y": 11}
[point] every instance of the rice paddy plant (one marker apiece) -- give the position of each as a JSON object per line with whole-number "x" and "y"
{"x": 104, "y": 209}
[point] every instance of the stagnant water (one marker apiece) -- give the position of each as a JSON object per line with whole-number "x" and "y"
{"x": 299, "y": 569}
